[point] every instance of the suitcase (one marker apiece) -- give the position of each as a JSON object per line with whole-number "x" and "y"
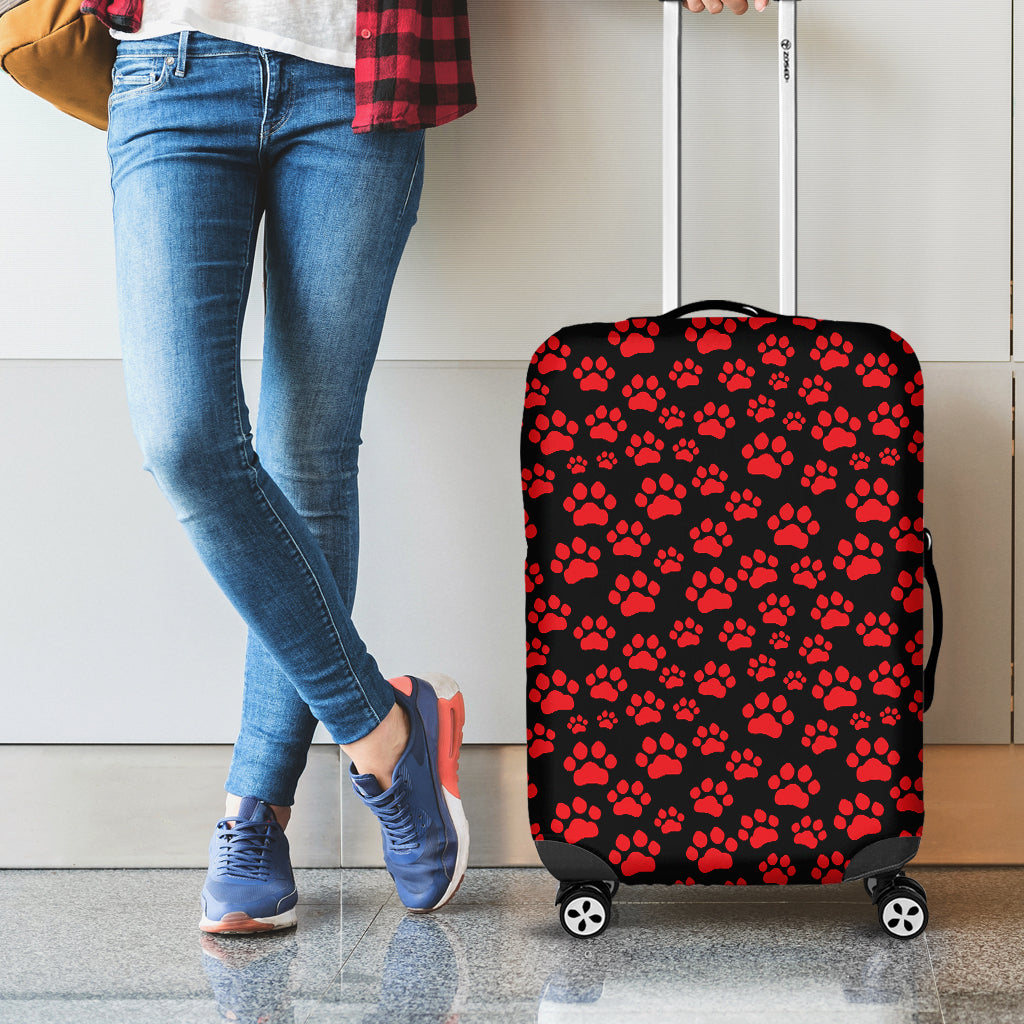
{"x": 724, "y": 582}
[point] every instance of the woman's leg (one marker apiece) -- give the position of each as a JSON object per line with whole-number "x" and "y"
{"x": 197, "y": 153}
{"x": 339, "y": 209}
{"x": 189, "y": 163}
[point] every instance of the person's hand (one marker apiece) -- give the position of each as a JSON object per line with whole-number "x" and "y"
{"x": 717, "y": 6}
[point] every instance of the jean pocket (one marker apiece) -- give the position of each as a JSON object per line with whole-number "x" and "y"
{"x": 132, "y": 75}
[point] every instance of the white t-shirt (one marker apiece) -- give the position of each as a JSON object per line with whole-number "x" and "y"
{"x": 320, "y": 30}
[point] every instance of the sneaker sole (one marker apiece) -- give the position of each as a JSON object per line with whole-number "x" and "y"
{"x": 240, "y": 923}
{"x": 451, "y": 717}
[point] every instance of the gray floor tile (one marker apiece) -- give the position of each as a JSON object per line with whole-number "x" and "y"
{"x": 976, "y": 929}
{"x": 976, "y": 939}
{"x": 83, "y": 940}
{"x": 98, "y": 946}
{"x": 715, "y": 961}
{"x": 972, "y": 1008}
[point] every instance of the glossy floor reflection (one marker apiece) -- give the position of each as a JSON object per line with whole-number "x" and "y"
{"x": 120, "y": 946}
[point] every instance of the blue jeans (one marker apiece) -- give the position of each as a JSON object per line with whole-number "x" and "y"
{"x": 206, "y": 136}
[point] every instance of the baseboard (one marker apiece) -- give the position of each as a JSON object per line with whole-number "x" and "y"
{"x": 91, "y": 806}
{"x": 974, "y": 808}
{"x": 127, "y": 806}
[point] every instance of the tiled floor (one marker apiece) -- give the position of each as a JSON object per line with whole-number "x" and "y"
{"x": 122, "y": 946}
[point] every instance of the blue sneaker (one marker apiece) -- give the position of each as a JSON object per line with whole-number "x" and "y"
{"x": 249, "y": 886}
{"x": 424, "y": 828}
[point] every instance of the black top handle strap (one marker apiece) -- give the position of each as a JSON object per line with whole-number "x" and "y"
{"x": 735, "y": 307}
{"x": 933, "y": 587}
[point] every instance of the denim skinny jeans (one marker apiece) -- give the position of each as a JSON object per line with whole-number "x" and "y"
{"x": 205, "y": 136}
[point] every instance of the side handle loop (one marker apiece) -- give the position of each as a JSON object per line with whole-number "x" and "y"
{"x": 933, "y": 587}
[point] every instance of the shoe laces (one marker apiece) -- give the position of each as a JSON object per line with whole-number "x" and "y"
{"x": 244, "y": 848}
{"x": 397, "y": 822}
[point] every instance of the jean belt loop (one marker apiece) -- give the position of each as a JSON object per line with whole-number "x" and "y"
{"x": 179, "y": 69}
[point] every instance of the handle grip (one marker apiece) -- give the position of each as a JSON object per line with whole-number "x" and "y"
{"x": 736, "y": 307}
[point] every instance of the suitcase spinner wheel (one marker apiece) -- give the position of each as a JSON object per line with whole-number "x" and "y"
{"x": 902, "y": 908}
{"x": 585, "y": 909}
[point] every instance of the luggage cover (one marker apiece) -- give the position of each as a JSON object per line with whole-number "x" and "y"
{"x": 724, "y": 588}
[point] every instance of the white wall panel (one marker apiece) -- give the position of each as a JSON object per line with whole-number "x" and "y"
{"x": 57, "y": 260}
{"x": 540, "y": 208}
{"x": 968, "y": 506}
{"x": 442, "y": 545}
{"x": 543, "y": 206}
{"x": 111, "y": 629}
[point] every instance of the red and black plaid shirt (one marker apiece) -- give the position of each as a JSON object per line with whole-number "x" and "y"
{"x": 413, "y": 68}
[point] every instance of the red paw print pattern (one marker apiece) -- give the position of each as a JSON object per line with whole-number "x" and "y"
{"x": 712, "y": 851}
{"x": 661, "y": 757}
{"x": 793, "y": 786}
{"x": 576, "y": 821}
{"x": 872, "y": 502}
{"x": 767, "y": 456}
{"x": 711, "y": 590}
{"x": 590, "y": 765}
{"x": 711, "y": 797}
{"x": 776, "y": 870}
{"x": 643, "y": 393}
{"x": 775, "y": 351}
{"x": 736, "y": 376}
{"x": 793, "y": 527}
{"x": 877, "y": 371}
{"x": 629, "y": 798}
{"x": 836, "y": 429}
{"x": 634, "y": 594}
{"x": 768, "y": 715}
{"x": 589, "y": 505}
{"x": 832, "y": 351}
{"x": 669, "y": 561}
{"x": 550, "y": 357}
{"x": 714, "y": 420}
{"x": 723, "y": 594}
{"x": 634, "y": 337}
{"x": 860, "y": 817}
{"x": 554, "y": 693}
{"x": 594, "y": 374}
{"x": 809, "y": 832}
{"x": 758, "y": 569}
{"x": 661, "y": 496}
{"x": 759, "y": 829}
{"x": 815, "y": 389}
{"x": 634, "y": 854}
{"x": 605, "y": 424}
{"x": 576, "y": 561}
{"x": 820, "y": 477}
{"x": 873, "y": 762}
{"x": 554, "y": 434}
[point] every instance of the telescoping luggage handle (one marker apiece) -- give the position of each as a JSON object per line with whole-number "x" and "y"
{"x": 672, "y": 142}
